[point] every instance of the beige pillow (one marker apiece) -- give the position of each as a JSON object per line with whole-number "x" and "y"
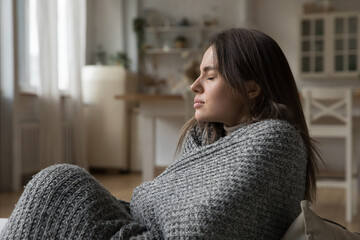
{"x": 309, "y": 226}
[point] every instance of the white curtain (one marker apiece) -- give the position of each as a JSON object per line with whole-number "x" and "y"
{"x": 77, "y": 48}
{"x": 52, "y": 114}
{"x": 50, "y": 96}
{"x": 7, "y": 85}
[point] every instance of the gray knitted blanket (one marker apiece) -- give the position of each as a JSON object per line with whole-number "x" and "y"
{"x": 247, "y": 185}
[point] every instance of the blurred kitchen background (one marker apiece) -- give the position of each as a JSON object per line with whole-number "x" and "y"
{"x": 104, "y": 83}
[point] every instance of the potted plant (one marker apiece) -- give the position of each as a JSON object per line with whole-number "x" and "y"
{"x": 180, "y": 42}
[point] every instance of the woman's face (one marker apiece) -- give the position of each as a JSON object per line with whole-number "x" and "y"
{"x": 214, "y": 101}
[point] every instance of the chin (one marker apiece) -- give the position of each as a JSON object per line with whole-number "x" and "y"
{"x": 202, "y": 118}
{"x": 198, "y": 118}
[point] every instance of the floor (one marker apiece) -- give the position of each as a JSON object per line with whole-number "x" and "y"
{"x": 330, "y": 202}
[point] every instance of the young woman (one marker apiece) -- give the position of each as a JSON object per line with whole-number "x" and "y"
{"x": 244, "y": 163}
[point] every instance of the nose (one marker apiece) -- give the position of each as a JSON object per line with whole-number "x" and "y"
{"x": 196, "y": 86}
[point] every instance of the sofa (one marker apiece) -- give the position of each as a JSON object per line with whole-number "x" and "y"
{"x": 2, "y": 223}
{"x": 309, "y": 226}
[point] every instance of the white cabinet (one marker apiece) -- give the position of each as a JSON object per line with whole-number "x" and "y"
{"x": 107, "y": 119}
{"x": 329, "y": 45}
{"x": 312, "y": 45}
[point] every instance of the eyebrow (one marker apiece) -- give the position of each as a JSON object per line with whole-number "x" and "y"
{"x": 208, "y": 68}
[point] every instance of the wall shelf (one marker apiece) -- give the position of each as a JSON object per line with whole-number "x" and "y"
{"x": 168, "y": 50}
{"x": 171, "y": 50}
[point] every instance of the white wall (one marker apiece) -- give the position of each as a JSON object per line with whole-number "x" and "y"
{"x": 109, "y": 24}
{"x": 106, "y": 27}
{"x": 280, "y": 19}
{"x": 196, "y": 10}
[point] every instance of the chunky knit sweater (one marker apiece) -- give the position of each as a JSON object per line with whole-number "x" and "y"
{"x": 247, "y": 185}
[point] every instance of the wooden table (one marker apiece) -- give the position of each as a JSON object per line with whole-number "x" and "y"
{"x": 160, "y": 119}
{"x": 153, "y": 108}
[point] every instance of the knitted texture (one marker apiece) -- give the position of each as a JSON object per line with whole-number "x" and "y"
{"x": 66, "y": 202}
{"x": 247, "y": 185}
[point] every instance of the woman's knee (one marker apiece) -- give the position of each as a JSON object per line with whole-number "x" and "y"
{"x": 59, "y": 170}
{"x": 55, "y": 175}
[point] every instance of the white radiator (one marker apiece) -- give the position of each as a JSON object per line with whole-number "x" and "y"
{"x": 30, "y": 147}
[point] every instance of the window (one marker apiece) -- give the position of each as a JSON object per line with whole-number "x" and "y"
{"x": 33, "y": 46}
{"x": 30, "y": 49}
{"x": 28, "y": 45}
{"x": 62, "y": 38}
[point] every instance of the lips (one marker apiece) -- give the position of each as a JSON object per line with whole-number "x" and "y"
{"x": 198, "y": 103}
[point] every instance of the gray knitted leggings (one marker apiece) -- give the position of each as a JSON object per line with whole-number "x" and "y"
{"x": 66, "y": 202}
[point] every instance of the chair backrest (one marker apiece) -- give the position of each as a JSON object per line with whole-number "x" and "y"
{"x": 328, "y": 107}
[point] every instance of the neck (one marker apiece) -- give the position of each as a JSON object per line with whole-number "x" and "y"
{"x": 230, "y": 129}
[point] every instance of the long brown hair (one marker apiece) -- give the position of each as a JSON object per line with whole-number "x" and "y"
{"x": 244, "y": 55}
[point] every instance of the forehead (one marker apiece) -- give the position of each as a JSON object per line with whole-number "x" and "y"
{"x": 208, "y": 59}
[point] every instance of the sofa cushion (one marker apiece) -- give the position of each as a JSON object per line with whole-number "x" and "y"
{"x": 2, "y": 223}
{"x": 309, "y": 226}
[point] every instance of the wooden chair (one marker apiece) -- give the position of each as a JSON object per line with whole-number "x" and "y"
{"x": 328, "y": 113}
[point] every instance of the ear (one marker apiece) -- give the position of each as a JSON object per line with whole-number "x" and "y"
{"x": 252, "y": 88}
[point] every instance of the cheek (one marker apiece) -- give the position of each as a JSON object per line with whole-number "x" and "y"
{"x": 222, "y": 105}
{"x": 227, "y": 104}
{"x": 230, "y": 105}
{"x": 224, "y": 97}
{"x": 221, "y": 99}
{"x": 218, "y": 94}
